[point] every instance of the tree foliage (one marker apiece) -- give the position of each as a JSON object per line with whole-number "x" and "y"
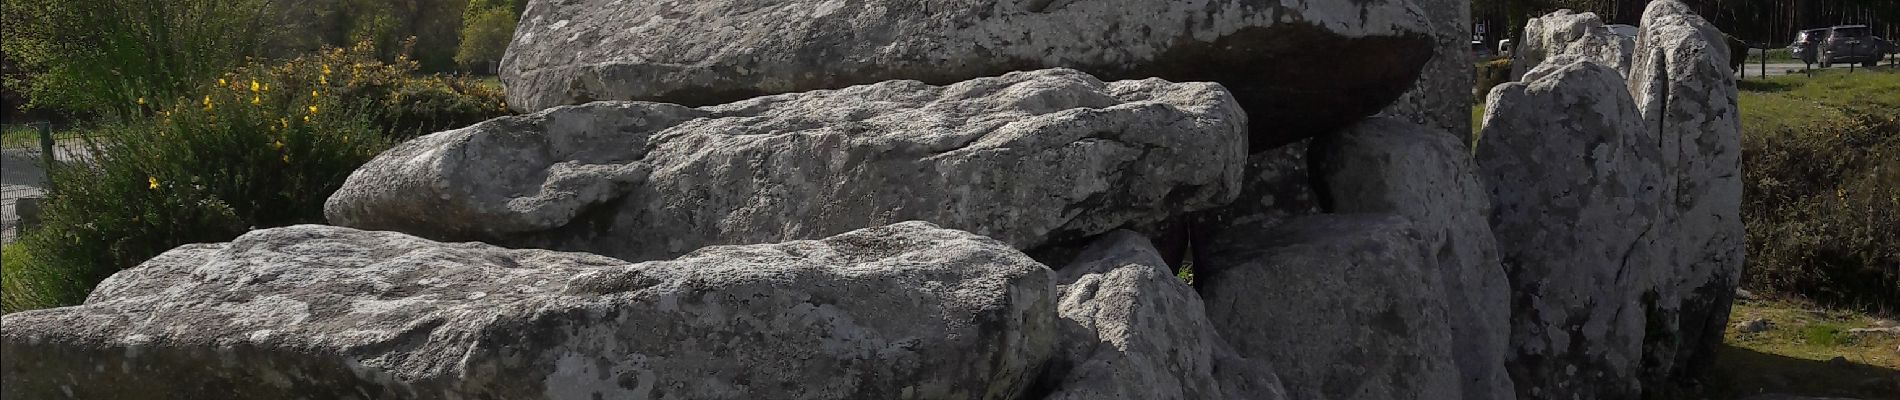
{"x": 487, "y": 26}
{"x": 102, "y": 56}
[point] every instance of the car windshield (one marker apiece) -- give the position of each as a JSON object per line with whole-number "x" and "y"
{"x": 1851, "y": 32}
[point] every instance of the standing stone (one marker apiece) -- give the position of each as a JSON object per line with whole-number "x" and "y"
{"x": 1386, "y": 165}
{"x": 1442, "y": 97}
{"x": 1028, "y": 158}
{"x": 1574, "y": 180}
{"x": 1685, "y": 90}
{"x": 1343, "y": 306}
{"x": 1132, "y": 330}
{"x": 1302, "y": 68}
{"x": 1566, "y": 32}
{"x": 902, "y": 311}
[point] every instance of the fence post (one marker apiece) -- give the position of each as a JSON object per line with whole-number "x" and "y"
{"x": 47, "y": 156}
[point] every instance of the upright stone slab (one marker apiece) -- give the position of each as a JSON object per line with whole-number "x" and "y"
{"x": 902, "y": 311}
{"x": 1566, "y": 32}
{"x": 1028, "y": 158}
{"x": 1441, "y": 99}
{"x": 1575, "y": 181}
{"x": 1132, "y": 330}
{"x": 1387, "y": 165}
{"x": 1685, "y": 90}
{"x": 1302, "y": 68}
{"x": 1344, "y": 306}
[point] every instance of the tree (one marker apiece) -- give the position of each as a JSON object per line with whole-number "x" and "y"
{"x": 115, "y": 57}
{"x": 487, "y": 27}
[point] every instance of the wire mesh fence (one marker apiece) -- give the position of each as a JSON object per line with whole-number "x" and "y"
{"x": 27, "y": 153}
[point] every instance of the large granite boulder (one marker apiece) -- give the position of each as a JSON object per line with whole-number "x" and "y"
{"x": 1302, "y": 68}
{"x": 1574, "y": 177}
{"x": 1567, "y": 32}
{"x": 1132, "y": 330}
{"x": 1028, "y": 158}
{"x": 1343, "y": 306}
{"x": 1684, "y": 88}
{"x": 902, "y": 311}
{"x": 1441, "y": 99}
{"x": 1387, "y": 165}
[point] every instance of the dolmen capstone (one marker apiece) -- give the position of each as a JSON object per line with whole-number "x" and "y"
{"x": 1301, "y": 68}
{"x": 822, "y": 199}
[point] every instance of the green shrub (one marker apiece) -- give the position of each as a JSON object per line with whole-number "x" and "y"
{"x": 406, "y": 104}
{"x": 96, "y": 56}
{"x": 258, "y": 149}
{"x": 1822, "y": 206}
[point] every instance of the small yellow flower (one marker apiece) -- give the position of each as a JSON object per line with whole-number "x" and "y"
{"x": 153, "y": 180}
{"x": 313, "y": 109}
{"x": 286, "y": 158}
{"x": 208, "y": 104}
{"x": 222, "y": 82}
{"x": 285, "y": 122}
{"x": 306, "y": 119}
{"x": 325, "y": 79}
{"x": 255, "y": 87}
{"x": 279, "y": 144}
{"x": 313, "y": 94}
{"x": 326, "y": 69}
{"x": 256, "y": 100}
{"x": 141, "y": 101}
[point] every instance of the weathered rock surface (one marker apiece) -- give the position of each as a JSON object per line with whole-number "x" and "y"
{"x": 1566, "y": 32}
{"x": 902, "y": 311}
{"x": 1386, "y": 165}
{"x": 1027, "y": 158}
{"x": 1683, "y": 86}
{"x": 1343, "y": 306}
{"x": 1277, "y": 187}
{"x": 1573, "y": 177}
{"x": 1442, "y": 96}
{"x": 716, "y": 51}
{"x": 1132, "y": 330}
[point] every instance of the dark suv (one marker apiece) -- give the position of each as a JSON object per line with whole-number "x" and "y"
{"x": 1853, "y": 44}
{"x": 1805, "y": 44}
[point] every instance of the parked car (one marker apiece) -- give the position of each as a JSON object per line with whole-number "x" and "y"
{"x": 1853, "y": 44}
{"x": 1805, "y": 43}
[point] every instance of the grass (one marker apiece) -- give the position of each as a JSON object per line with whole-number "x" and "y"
{"x": 19, "y": 136}
{"x": 1791, "y": 356}
{"x": 1795, "y": 101}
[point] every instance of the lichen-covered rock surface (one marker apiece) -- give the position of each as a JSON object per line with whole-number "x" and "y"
{"x": 1566, "y": 32}
{"x": 1574, "y": 178}
{"x": 1388, "y": 165}
{"x": 1027, "y": 158}
{"x": 1302, "y": 68}
{"x": 1132, "y": 330}
{"x": 1684, "y": 88}
{"x": 1441, "y": 98}
{"x": 902, "y": 311}
{"x": 1343, "y": 306}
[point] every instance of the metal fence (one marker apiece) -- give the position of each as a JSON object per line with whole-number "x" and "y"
{"x": 28, "y": 153}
